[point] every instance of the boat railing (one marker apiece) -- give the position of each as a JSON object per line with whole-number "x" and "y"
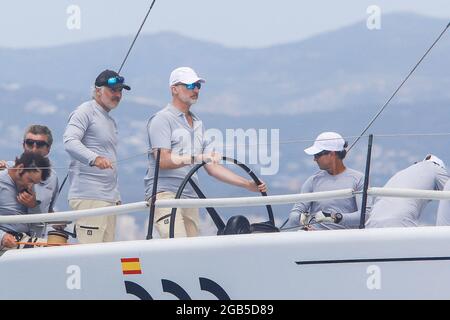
{"x": 69, "y": 216}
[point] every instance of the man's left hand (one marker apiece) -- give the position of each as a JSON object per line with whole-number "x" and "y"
{"x": 28, "y": 199}
{"x": 3, "y": 165}
{"x": 256, "y": 188}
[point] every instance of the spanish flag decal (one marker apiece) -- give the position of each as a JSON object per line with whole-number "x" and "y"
{"x": 131, "y": 266}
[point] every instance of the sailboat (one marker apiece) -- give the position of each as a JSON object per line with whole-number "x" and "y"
{"x": 244, "y": 261}
{"x": 253, "y": 262}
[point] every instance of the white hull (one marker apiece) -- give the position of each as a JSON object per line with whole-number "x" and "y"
{"x": 340, "y": 265}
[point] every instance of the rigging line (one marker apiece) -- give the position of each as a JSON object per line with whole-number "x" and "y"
{"x": 66, "y": 168}
{"x": 294, "y": 141}
{"x": 398, "y": 89}
{"x": 121, "y": 66}
{"x": 138, "y": 155}
{"x": 399, "y": 135}
{"x": 137, "y": 35}
{"x": 394, "y": 135}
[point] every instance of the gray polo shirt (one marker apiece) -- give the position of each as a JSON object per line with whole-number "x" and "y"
{"x": 169, "y": 129}
{"x": 403, "y": 212}
{"x": 9, "y": 206}
{"x": 46, "y": 194}
{"x": 323, "y": 181}
{"x": 90, "y": 133}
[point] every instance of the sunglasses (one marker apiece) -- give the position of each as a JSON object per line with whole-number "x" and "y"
{"x": 39, "y": 143}
{"x": 192, "y": 86}
{"x": 115, "y": 80}
{"x": 322, "y": 153}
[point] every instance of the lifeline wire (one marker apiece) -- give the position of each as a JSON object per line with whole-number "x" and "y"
{"x": 398, "y": 89}
{"x": 395, "y": 135}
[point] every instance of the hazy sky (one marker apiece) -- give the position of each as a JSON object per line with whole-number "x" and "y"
{"x": 250, "y": 23}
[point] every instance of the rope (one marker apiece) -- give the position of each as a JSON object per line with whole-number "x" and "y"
{"x": 399, "y": 87}
{"x": 44, "y": 244}
{"x": 286, "y": 142}
{"x": 137, "y": 35}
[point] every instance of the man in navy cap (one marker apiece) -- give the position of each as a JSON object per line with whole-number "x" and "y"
{"x": 91, "y": 141}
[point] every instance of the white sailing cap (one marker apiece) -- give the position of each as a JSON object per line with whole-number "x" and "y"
{"x": 329, "y": 141}
{"x": 184, "y": 75}
{"x": 435, "y": 159}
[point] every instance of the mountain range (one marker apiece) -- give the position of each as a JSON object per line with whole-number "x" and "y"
{"x": 332, "y": 82}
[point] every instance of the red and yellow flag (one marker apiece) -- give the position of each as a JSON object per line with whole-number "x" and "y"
{"x": 131, "y": 266}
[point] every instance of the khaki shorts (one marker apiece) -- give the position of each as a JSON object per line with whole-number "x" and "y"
{"x": 94, "y": 229}
{"x": 186, "y": 221}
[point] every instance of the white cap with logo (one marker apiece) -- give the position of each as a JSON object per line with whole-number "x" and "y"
{"x": 184, "y": 75}
{"x": 329, "y": 141}
{"x": 435, "y": 159}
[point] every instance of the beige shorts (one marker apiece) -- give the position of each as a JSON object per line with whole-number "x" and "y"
{"x": 186, "y": 221}
{"x": 94, "y": 229}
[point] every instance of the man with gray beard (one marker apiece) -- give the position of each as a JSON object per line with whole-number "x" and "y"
{"x": 91, "y": 141}
{"x": 180, "y": 135}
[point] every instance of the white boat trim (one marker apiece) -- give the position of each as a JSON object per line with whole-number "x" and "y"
{"x": 223, "y": 202}
{"x": 391, "y": 263}
{"x": 409, "y": 193}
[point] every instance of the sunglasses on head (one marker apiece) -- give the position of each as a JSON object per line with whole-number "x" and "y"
{"x": 192, "y": 86}
{"x": 39, "y": 143}
{"x": 115, "y": 80}
{"x": 321, "y": 153}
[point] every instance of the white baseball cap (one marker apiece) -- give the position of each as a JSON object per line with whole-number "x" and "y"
{"x": 184, "y": 75}
{"x": 435, "y": 159}
{"x": 329, "y": 141}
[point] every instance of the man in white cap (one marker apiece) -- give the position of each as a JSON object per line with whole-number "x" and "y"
{"x": 329, "y": 151}
{"x": 180, "y": 135}
{"x": 429, "y": 174}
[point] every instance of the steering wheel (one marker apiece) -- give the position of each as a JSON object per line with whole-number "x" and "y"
{"x": 212, "y": 212}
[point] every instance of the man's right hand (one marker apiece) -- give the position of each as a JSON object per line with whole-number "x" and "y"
{"x": 9, "y": 241}
{"x": 28, "y": 199}
{"x": 102, "y": 163}
{"x": 3, "y": 165}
